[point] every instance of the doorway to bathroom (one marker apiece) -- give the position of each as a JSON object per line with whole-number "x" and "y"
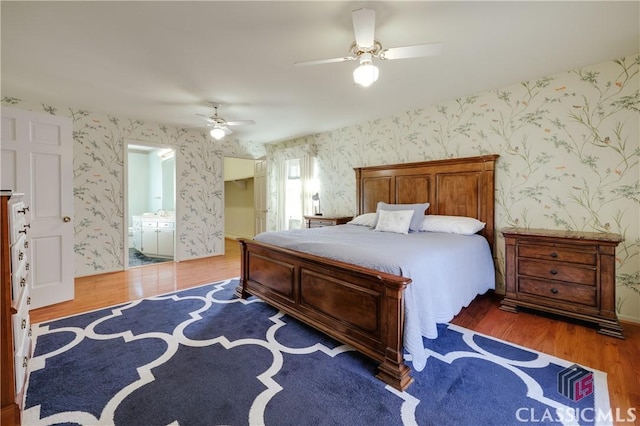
{"x": 150, "y": 207}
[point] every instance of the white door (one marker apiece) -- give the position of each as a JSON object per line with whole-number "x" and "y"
{"x": 260, "y": 195}
{"x": 37, "y": 160}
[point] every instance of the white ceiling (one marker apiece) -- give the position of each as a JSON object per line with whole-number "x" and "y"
{"x": 164, "y": 61}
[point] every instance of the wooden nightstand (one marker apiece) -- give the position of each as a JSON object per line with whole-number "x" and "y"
{"x": 563, "y": 272}
{"x": 320, "y": 221}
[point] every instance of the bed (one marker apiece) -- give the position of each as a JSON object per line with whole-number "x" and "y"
{"x": 359, "y": 305}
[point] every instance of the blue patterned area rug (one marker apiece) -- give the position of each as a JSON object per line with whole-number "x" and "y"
{"x": 203, "y": 357}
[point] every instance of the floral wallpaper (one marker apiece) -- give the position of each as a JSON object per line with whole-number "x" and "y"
{"x": 569, "y": 147}
{"x": 98, "y": 184}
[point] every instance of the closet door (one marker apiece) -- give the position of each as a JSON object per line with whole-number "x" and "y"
{"x": 37, "y": 160}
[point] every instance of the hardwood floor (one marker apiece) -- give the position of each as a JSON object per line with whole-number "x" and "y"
{"x": 99, "y": 291}
{"x": 620, "y": 359}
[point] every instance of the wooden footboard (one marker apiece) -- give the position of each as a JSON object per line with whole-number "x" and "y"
{"x": 361, "y": 307}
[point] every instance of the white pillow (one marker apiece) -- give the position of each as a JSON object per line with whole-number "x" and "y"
{"x": 397, "y": 221}
{"x": 367, "y": 219}
{"x": 451, "y": 224}
{"x": 418, "y": 212}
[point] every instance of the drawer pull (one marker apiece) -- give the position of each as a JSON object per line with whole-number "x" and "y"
{"x": 23, "y": 325}
{"x": 22, "y": 231}
{"x": 23, "y": 282}
{"x": 554, "y": 290}
{"x": 28, "y": 300}
{"x": 26, "y": 244}
{"x": 554, "y": 254}
{"x": 24, "y": 210}
{"x": 553, "y": 272}
{"x": 20, "y": 256}
{"x": 27, "y": 266}
{"x": 25, "y": 362}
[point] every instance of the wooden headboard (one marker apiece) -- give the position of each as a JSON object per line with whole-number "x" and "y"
{"x": 455, "y": 187}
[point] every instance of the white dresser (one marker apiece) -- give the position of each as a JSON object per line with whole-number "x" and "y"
{"x": 16, "y": 327}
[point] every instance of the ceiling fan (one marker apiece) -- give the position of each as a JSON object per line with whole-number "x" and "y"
{"x": 365, "y": 48}
{"x": 220, "y": 126}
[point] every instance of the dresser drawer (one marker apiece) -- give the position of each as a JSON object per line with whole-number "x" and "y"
{"x": 587, "y": 255}
{"x": 557, "y": 271}
{"x": 21, "y": 326}
{"x": 19, "y": 253}
{"x": 557, "y": 291}
{"x": 19, "y": 282}
{"x": 18, "y": 220}
{"x": 20, "y": 320}
{"x": 21, "y": 361}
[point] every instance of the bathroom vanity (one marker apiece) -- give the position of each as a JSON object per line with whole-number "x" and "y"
{"x": 154, "y": 235}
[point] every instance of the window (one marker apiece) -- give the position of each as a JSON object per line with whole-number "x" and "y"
{"x": 297, "y": 184}
{"x": 293, "y": 210}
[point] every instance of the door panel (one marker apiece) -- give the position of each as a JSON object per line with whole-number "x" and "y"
{"x": 45, "y": 273}
{"x": 46, "y": 200}
{"x": 8, "y": 169}
{"x": 37, "y": 160}
{"x": 46, "y": 133}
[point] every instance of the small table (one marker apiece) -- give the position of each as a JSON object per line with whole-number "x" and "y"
{"x": 320, "y": 221}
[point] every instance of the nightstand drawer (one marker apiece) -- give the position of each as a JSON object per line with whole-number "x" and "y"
{"x": 557, "y": 271}
{"x": 586, "y": 256}
{"x": 320, "y": 223}
{"x": 558, "y": 291}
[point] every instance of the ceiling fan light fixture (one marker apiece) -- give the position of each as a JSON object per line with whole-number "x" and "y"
{"x": 217, "y": 133}
{"x": 366, "y": 74}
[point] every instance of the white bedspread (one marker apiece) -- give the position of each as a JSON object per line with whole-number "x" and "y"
{"x": 447, "y": 270}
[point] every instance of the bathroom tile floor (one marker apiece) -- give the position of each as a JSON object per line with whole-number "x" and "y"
{"x": 136, "y": 258}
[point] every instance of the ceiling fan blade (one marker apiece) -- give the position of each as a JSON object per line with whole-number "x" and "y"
{"x": 206, "y": 117}
{"x": 364, "y": 24}
{"x": 325, "y": 61}
{"x": 239, "y": 122}
{"x": 417, "y": 51}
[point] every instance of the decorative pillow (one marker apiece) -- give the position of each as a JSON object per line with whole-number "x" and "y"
{"x": 397, "y": 221}
{"x": 451, "y": 224}
{"x": 418, "y": 212}
{"x": 367, "y": 219}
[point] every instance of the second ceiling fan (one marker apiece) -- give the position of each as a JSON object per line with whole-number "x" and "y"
{"x": 220, "y": 126}
{"x": 365, "y": 48}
